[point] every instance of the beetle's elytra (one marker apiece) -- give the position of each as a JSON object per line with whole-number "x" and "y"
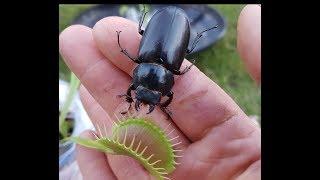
{"x": 163, "y": 47}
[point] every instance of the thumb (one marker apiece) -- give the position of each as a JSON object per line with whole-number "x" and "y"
{"x": 249, "y": 40}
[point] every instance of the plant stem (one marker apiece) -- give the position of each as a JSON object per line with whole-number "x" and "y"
{"x": 74, "y": 84}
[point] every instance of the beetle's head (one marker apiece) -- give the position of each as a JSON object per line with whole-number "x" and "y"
{"x": 147, "y": 96}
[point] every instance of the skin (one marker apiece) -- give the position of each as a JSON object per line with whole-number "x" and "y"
{"x": 219, "y": 141}
{"x": 249, "y": 40}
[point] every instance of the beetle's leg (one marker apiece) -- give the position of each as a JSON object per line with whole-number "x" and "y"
{"x": 128, "y": 94}
{"x": 137, "y": 105}
{"x": 151, "y": 108}
{"x": 163, "y": 106}
{"x": 141, "y": 21}
{"x": 168, "y": 101}
{"x": 197, "y": 39}
{"x": 186, "y": 69}
{"x": 166, "y": 111}
{"x": 128, "y": 97}
{"x": 125, "y": 51}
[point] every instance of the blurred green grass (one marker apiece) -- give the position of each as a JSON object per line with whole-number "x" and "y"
{"x": 220, "y": 62}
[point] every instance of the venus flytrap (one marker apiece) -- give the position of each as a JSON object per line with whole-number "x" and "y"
{"x": 140, "y": 139}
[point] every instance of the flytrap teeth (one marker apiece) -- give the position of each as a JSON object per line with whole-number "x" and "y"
{"x": 159, "y": 169}
{"x": 132, "y": 141}
{"x": 171, "y": 131}
{"x": 177, "y": 150}
{"x": 125, "y": 137}
{"x": 176, "y": 143}
{"x": 177, "y": 156}
{"x": 165, "y": 129}
{"x": 150, "y": 157}
{"x": 105, "y": 129}
{"x": 154, "y": 163}
{"x": 99, "y": 131}
{"x": 165, "y": 177}
{"x": 94, "y": 134}
{"x": 143, "y": 151}
{"x": 138, "y": 146}
{"x": 140, "y": 139}
{"x": 173, "y": 138}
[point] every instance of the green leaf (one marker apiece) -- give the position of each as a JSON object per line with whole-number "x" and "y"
{"x": 64, "y": 128}
{"x": 74, "y": 84}
{"x": 91, "y": 144}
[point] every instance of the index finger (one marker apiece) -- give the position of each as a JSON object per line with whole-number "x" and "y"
{"x": 198, "y": 105}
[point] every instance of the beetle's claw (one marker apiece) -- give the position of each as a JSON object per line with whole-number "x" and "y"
{"x": 151, "y": 108}
{"x": 124, "y": 112}
{"x": 167, "y": 112}
{"x": 137, "y": 105}
{"x": 121, "y": 95}
{"x": 128, "y": 98}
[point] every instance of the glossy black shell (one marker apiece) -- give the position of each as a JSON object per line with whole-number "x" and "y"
{"x": 166, "y": 36}
{"x": 154, "y": 77}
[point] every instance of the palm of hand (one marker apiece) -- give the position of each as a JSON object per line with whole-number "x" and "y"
{"x": 218, "y": 140}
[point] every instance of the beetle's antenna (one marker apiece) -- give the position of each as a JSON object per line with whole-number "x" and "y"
{"x": 216, "y": 26}
{"x": 141, "y": 20}
{"x": 197, "y": 38}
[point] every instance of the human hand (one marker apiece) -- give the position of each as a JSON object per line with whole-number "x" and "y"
{"x": 218, "y": 140}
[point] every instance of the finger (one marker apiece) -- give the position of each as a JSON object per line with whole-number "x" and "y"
{"x": 104, "y": 34}
{"x": 249, "y": 39}
{"x": 93, "y": 70}
{"x": 92, "y": 163}
{"x": 101, "y": 78}
{"x": 252, "y": 173}
{"x": 91, "y": 67}
{"x": 225, "y": 152}
{"x": 198, "y": 104}
{"x": 123, "y": 167}
{"x": 98, "y": 116}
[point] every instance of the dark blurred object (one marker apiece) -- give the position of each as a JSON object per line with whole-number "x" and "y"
{"x": 201, "y": 17}
{"x": 92, "y": 15}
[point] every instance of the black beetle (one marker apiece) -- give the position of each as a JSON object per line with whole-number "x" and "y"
{"x": 163, "y": 47}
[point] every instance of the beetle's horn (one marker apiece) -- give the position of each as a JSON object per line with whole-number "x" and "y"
{"x": 137, "y": 105}
{"x": 151, "y": 108}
